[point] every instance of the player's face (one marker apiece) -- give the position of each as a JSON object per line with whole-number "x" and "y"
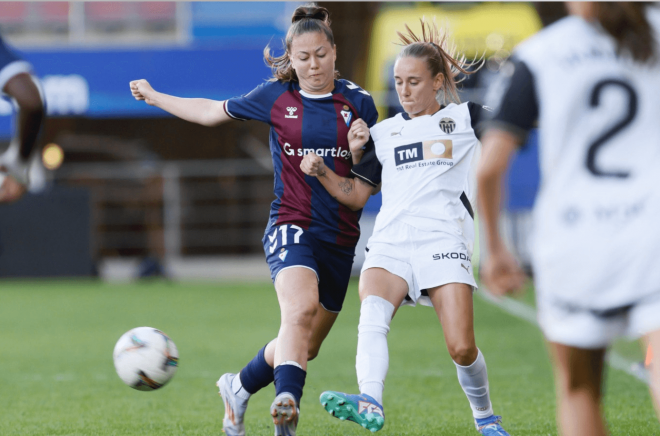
{"x": 415, "y": 86}
{"x": 313, "y": 58}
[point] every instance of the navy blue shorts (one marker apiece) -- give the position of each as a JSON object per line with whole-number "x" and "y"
{"x": 288, "y": 245}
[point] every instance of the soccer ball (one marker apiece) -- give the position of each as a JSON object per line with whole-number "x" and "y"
{"x": 145, "y": 358}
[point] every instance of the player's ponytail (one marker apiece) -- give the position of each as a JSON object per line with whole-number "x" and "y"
{"x": 307, "y": 18}
{"x": 440, "y": 58}
{"x": 628, "y": 25}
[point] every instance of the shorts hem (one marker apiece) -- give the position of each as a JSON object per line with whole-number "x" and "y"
{"x": 296, "y": 266}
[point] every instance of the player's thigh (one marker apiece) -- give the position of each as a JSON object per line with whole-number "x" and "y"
{"x": 297, "y": 292}
{"x": 578, "y": 369}
{"x": 454, "y": 306}
{"x": 383, "y": 284}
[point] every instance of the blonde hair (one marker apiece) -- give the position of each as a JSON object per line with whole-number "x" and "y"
{"x": 307, "y": 18}
{"x": 441, "y": 58}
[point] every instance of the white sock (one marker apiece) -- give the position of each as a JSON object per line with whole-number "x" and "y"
{"x": 237, "y": 388}
{"x": 474, "y": 381}
{"x": 373, "y": 360}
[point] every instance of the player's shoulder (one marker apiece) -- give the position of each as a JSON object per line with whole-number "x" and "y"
{"x": 267, "y": 89}
{"x": 553, "y": 38}
{"x": 359, "y": 98}
{"x": 352, "y": 91}
{"x": 387, "y": 126}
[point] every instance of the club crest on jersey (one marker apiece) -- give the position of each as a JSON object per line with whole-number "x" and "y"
{"x": 447, "y": 125}
{"x": 283, "y": 254}
{"x": 347, "y": 115}
{"x": 292, "y": 110}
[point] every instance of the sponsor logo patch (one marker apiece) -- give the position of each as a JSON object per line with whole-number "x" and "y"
{"x": 427, "y": 150}
{"x": 443, "y": 256}
{"x": 292, "y": 110}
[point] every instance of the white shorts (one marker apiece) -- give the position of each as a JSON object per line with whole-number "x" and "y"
{"x": 592, "y": 329}
{"x": 425, "y": 260}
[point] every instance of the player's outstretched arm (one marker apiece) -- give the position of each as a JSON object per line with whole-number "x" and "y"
{"x": 352, "y": 193}
{"x": 500, "y": 273}
{"x": 196, "y": 110}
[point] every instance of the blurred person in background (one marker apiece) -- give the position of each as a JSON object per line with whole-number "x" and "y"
{"x": 310, "y": 238}
{"x": 421, "y": 248}
{"x": 592, "y": 80}
{"x": 18, "y": 83}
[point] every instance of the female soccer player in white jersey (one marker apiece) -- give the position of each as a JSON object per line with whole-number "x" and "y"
{"x": 310, "y": 238}
{"x": 422, "y": 243}
{"x": 592, "y": 80}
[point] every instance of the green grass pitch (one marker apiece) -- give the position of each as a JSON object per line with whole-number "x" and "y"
{"x": 57, "y": 376}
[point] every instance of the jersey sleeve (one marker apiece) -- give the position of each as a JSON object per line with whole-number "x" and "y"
{"x": 369, "y": 169}
{"x": 478, "y": 113}
{"x": 255, "y": 105}
{"x": 513, "y": 98}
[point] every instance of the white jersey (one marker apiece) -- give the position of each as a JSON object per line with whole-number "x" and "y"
{"x": 596, "y": 234}
{"x": 427, "y": 169}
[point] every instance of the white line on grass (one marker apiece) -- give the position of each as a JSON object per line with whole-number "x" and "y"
{"x": 527, "y": 313}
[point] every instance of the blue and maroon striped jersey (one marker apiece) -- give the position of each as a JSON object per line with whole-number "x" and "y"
{"x": 303, "y": 123}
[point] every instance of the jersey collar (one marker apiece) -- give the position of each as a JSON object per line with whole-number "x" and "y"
{"x": 315, "y": 96}
{"x": 406, "y": 117}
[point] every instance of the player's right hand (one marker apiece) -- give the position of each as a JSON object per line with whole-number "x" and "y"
{"x": 312, "y": 165}
{"x": 358, "y": 135}
{"x": 501, "y": 274}
{"x": 142, "y": 90}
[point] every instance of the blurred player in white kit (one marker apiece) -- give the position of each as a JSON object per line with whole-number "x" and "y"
{"x": 592, "y": 81}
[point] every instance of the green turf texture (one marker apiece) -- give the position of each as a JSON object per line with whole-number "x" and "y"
{"x": 57, "y": 375}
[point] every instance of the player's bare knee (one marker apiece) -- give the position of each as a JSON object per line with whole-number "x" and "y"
{"x": 463, "y": 354}
{"x": 301, "y": 316}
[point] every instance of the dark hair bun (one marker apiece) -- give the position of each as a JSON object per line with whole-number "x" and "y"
{"x": 313, "y": 12}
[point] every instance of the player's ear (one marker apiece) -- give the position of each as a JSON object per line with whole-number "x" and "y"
{"x": 438, "y": 81}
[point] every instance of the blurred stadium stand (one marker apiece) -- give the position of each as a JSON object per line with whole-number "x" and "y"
{"x": 167, "y": 195}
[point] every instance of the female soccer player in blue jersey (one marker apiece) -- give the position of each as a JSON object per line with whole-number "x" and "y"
{"x": 421, "y": 248}
{"x": 592, "y": 82}
{"x": 310, "y": 237}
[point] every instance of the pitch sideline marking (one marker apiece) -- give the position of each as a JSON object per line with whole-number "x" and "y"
{"x": 527, "y": 313}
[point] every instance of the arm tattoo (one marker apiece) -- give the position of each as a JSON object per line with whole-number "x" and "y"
{"x": 321, "y": 172}
{"x": 346, "y": 186}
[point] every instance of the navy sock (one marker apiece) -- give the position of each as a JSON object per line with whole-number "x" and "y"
{"x": 257, "y": 373}
{"x": 291, "y": 379}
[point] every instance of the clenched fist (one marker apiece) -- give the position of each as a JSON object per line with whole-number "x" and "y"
{"x": 358, "y": 135}
{"x": 142, "y": 90}
{"x": 313, "y": 165}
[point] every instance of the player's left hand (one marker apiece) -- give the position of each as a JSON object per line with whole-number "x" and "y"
{"x": 501, "y": 274}
{"x": 312, "y": 165}
{"x": 358, "y": 135}
{"x": 10, "y": 189}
